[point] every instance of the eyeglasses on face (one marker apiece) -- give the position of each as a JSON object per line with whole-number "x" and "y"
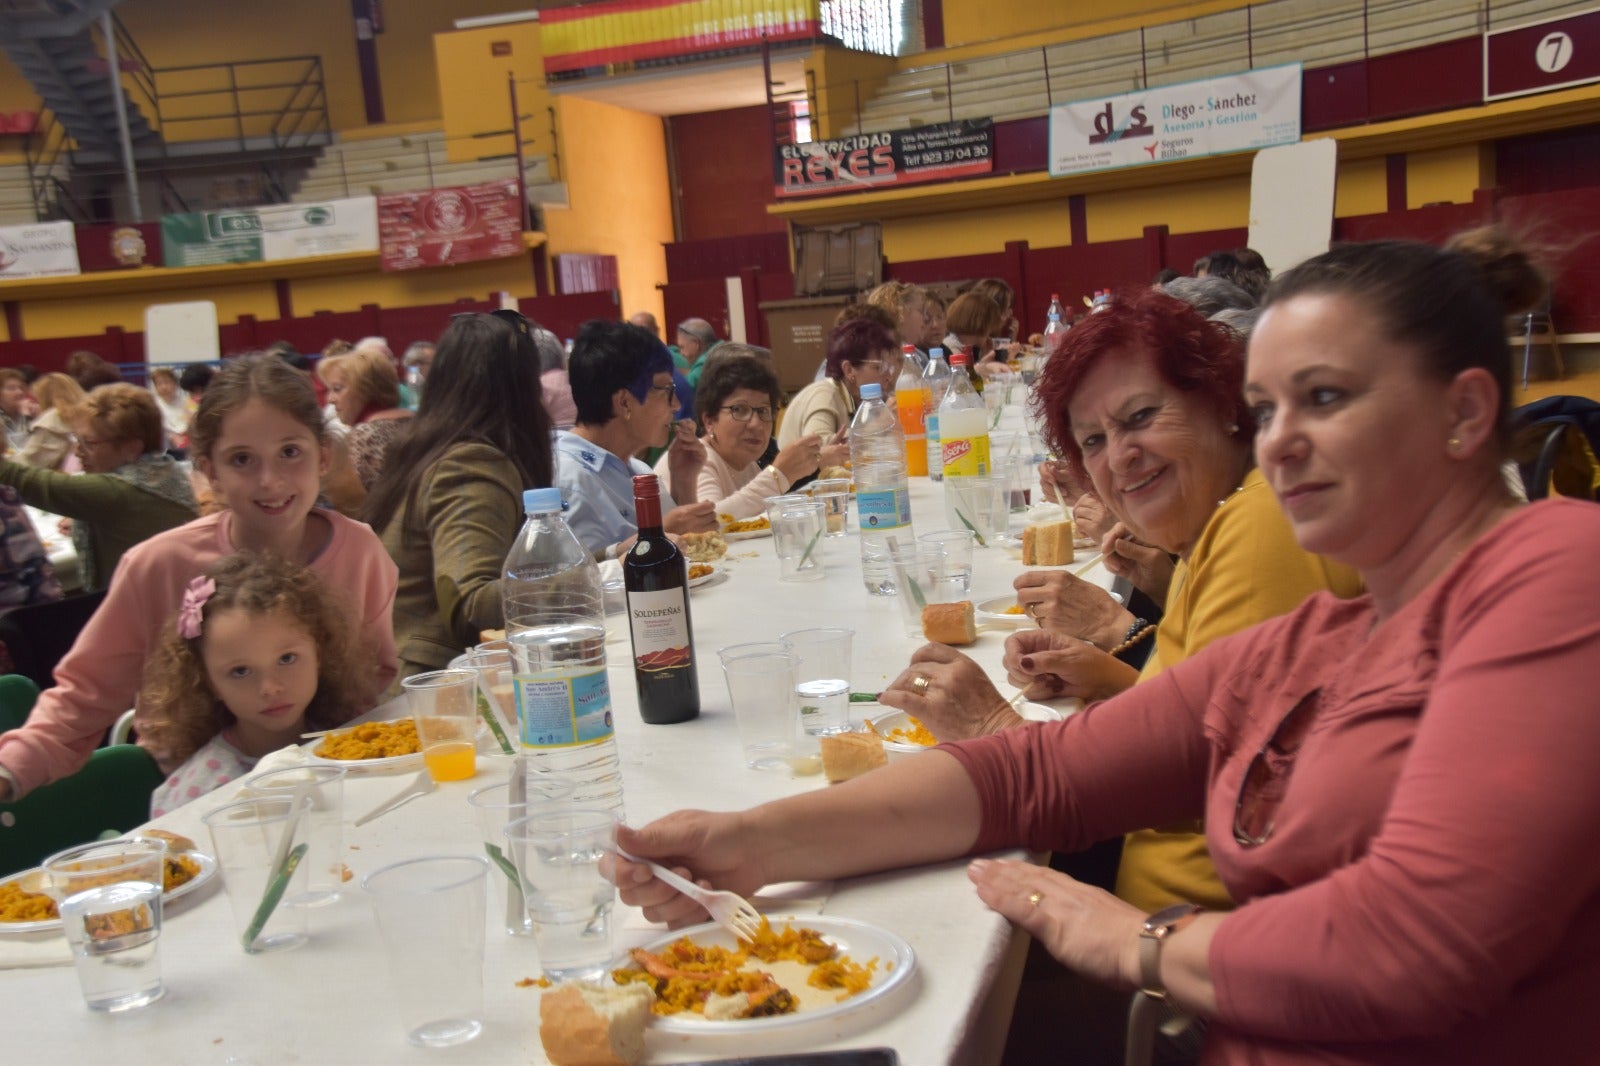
{"x": 885, "y": 367}
{"x": 669, "y": 391}
{"x": 743, "y": 412}
{"x": 1266, "y": 779}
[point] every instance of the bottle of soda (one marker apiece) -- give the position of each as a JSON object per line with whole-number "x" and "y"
{"x": 657, "y": 579}
{"x": 555, "y": 624}
{"x": 935, "y": 381}
{"x": 964, "y": 451}
{"x": 1053, "y": 323}
{"x": 883, "y": 498}
{"x": 911, "y": 401}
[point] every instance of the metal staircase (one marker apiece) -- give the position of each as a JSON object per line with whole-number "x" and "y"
{"x": 56, "y": 45}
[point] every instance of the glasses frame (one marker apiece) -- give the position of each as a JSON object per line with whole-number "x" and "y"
{"x": 515, "y": 319}
{"x": 1287, "y": 757}
{"x": 764, "y": 414}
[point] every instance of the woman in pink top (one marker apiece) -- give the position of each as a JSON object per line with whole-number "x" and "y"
{"x": 1398, "y": 790}
{"x": 258, "y": 438}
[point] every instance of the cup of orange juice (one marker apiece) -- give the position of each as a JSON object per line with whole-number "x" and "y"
{"x": 444, "y": 704}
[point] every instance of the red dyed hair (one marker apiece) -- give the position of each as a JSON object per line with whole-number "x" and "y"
{"x": 1191, "y": 354}
{"x": 856, "y": 340}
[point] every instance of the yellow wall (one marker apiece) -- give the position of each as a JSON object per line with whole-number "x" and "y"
{"x": 841, "y": 79}
{"x": 1220, "y": 203}
{"x": 474, "y": 94}
{"x": 615, "y": 164}
{"x": 1446, "y": 175}
{"x": 968, "y": 22}
{"x": 976, "y": 232}
{"x": 1361, "y": 187}
{"x": 412, "y": 288}
{"x": 77, "y": 317}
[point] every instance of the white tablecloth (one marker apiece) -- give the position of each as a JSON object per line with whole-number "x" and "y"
{"x": 329, "y": 1000}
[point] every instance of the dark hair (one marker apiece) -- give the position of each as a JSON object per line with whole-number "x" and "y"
{"x": 1209, "y": 295}
{"x": 1164, "y": 275}
{"x": 196, "y": 376}
{"x": 184, "y": 713}
{"x": 974, "y": 314}
{"x": 608, "y": 356}
{"x": 1448, "y": 305}
{"x": 243, "y": 379}
{"x": 727, "y": 376}
{"x": 483, "y": 387}
{"x": 1242, "y": 266}
{"x": 91, "y": 371}
{"x": 855, "y": 341}
{"x": 1191, "y": 354}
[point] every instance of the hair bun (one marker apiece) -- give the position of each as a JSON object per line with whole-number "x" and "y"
{"x": 1505, "y": 265}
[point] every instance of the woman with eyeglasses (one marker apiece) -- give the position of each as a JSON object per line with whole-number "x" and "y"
{"x": 736, "y": 403}
{"x": 452, "y": 503}
{"x": 859, "y": 350}
{"x": 130, "y": 488}
{"x": 1398, "y": 789}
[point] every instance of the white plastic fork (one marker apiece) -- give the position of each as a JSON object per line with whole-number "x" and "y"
{"x": 729, "y": 909}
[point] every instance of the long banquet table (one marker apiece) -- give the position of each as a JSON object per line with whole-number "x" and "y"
{"x": 329, "y": 1001}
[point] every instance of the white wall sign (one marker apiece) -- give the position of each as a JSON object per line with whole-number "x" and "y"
{"x": 296, "y": 231}
{"x": 43, "y": 250}
{"x": 181, "y": 333}
{"x": 1291, "y": 201}
{"x": 1255, "y": 109}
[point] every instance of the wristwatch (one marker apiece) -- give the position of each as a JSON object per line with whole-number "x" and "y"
{"x": 1157, "y": 928}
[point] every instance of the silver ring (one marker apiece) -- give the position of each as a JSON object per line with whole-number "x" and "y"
{"x": 921, "y": 685}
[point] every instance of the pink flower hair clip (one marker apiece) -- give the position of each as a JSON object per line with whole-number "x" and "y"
{"x": 194, "y": 601}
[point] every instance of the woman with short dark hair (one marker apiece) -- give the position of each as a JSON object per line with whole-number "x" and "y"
{"x": 859, "y": 351}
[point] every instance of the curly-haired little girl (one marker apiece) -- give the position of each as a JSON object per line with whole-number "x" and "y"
{"x": 258, "y": 654}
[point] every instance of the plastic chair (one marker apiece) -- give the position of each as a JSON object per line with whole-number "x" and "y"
{"x": 108, "y": 797}
{"x": 1556, "y": 444}
{"x": 1538, "y": 323}
{"x": 17, "y": 695}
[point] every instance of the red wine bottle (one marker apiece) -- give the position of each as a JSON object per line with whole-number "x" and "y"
{"x": 656, "y": 577}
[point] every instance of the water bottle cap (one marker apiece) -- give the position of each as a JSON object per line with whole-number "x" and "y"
{"x": 872, "y": 391}
{"x": 541, "y": 501}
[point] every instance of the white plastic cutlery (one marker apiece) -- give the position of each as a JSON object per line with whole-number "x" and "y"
{"x": 420, "y": 787}
{"x": 729, "y": 909}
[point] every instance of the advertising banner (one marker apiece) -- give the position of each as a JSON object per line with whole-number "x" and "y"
{"x": 1239, "y": 113}
{"x": 620, "y": 33}
{"x": 270, "y": 233}
{"x": 458, "y": 224}
{"x": 43, "y": 250}
{"x": 879, "y": 160}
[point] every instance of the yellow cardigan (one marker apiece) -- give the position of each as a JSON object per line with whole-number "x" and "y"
{"x": 1244, "y": 569}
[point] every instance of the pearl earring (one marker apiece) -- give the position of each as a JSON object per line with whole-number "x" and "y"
{"x": 1232, "y": 427}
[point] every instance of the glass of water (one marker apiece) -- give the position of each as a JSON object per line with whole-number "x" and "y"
{"x": 957, "y": 547}
{"x": 558, "y": 851}
{"x": 822, "y": 677}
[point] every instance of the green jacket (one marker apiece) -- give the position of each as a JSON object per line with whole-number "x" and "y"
{"x": 450, "y": 549}
{"x": 119, "y": 513}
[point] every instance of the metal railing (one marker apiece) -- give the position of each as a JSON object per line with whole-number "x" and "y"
{"x": 1025, "y": 83}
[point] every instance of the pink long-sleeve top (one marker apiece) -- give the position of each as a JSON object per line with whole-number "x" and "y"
{"x": 1430, "y": 890}
{"x": 100, "y": 676}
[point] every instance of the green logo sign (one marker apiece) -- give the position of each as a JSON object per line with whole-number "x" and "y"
{"x": 318, "y": 216}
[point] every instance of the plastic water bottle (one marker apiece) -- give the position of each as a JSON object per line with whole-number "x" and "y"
{"x": 935, "y": 381}
{"x": 555, "y": 623}
{"x": 1053, "y": 323}
{"x": 964, "y": 452}
{"x": 883, "y": 498}
{"x": 910, "y": 402}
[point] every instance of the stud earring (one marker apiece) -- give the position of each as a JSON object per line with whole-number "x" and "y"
{"x": 1454, "y": 442}
{"x": 1232, "y": 428}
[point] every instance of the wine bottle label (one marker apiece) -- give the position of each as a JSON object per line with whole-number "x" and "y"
{"x": 660, "y": 627}
{"x": 564, "y": 708}
{"x": 884, "y": 508}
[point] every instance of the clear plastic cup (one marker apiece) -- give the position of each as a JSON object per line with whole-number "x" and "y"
{"x": 835, "y": 496}
{"x": 798, "y": 525}
{"x": 920, "y": 575}
{"x": 559, "y": 853}
{"x": 444, "y": 704}
{"x": 261, "y": 846}
{"x": 761, "y": 680}
{"x": 822, "y": 678}
{"x": 494, "y": 811}
{"x": 324, "y": 862}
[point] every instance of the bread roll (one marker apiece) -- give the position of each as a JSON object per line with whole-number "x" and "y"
{"x": 847, "y": 755}
{"x": 1047, "y": 544}
{"x": 949, "y": 623}
{"x": 594, "y": 1025}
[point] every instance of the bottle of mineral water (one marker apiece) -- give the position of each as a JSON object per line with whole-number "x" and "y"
{"x": 935, "y": 380}
{"x": 883, "y": 497}
{"x": 555, "y": 623}
{"x": 1053, "y": 323}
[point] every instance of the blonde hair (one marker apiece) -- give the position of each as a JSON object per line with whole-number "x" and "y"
{"x": 58, "y": 392}
{"x": 368, "y": 373}
{"x": 122, "y": 412}
{"x": 183, "y": 711}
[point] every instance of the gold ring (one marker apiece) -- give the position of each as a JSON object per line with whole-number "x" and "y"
{"x": 1034, "y": 898}
{"x": 921, "y": 685}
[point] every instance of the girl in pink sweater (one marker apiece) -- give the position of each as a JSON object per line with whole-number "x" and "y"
{"x": 259, "y": 653}
{"x": 258, "y": 438}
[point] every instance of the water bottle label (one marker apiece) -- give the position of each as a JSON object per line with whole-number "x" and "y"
{"x": 884, "y": 509}
{"x": 564, "y": 709}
